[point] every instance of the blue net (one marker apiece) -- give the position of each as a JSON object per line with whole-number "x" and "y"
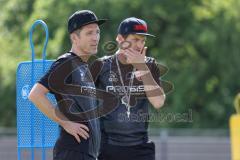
{"x": 36, "y": 134}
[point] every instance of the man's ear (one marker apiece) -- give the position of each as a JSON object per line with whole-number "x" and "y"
{"x": 73, "y": 37}
{"x": 119, "y": 38}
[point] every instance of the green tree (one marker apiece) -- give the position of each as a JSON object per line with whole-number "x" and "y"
{"x": 197, "y": 40}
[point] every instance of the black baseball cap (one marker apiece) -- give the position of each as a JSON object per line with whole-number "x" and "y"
{"x": 133, "y": 25}
{"x": 82, "y": 18}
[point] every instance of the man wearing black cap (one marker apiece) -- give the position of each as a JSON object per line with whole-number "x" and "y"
{"x": 134, "y": 78}
{"x": 70, "y": 81}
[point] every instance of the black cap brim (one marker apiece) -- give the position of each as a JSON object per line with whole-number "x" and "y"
{"x": 145, "y": 34}
{"x": 99, "y": 22}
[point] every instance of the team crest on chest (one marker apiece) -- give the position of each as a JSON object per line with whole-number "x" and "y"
{"x": 112, "y": 77}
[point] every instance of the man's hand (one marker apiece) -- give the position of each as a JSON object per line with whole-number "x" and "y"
{"x": 134, "y": 57}
{"x": 76, "y": 129}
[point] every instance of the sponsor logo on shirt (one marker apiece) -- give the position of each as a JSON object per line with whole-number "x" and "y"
{"x": 120, "y": 89}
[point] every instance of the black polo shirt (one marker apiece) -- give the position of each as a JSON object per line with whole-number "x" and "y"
{"x": 116, "y": 127}
{"x": 67, "y": 77}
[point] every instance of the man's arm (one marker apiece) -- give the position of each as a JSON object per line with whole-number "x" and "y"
{"x": 38, "y": 96}
{"x": 153, "y": 91}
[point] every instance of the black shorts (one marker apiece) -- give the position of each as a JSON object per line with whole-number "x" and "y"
{"x": 145, "y": 151}
{"x": 71, "y": 155}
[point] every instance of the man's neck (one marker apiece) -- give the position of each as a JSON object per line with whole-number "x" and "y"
{"x": 80, "y": 54}
{"x": 121, "y": 57}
